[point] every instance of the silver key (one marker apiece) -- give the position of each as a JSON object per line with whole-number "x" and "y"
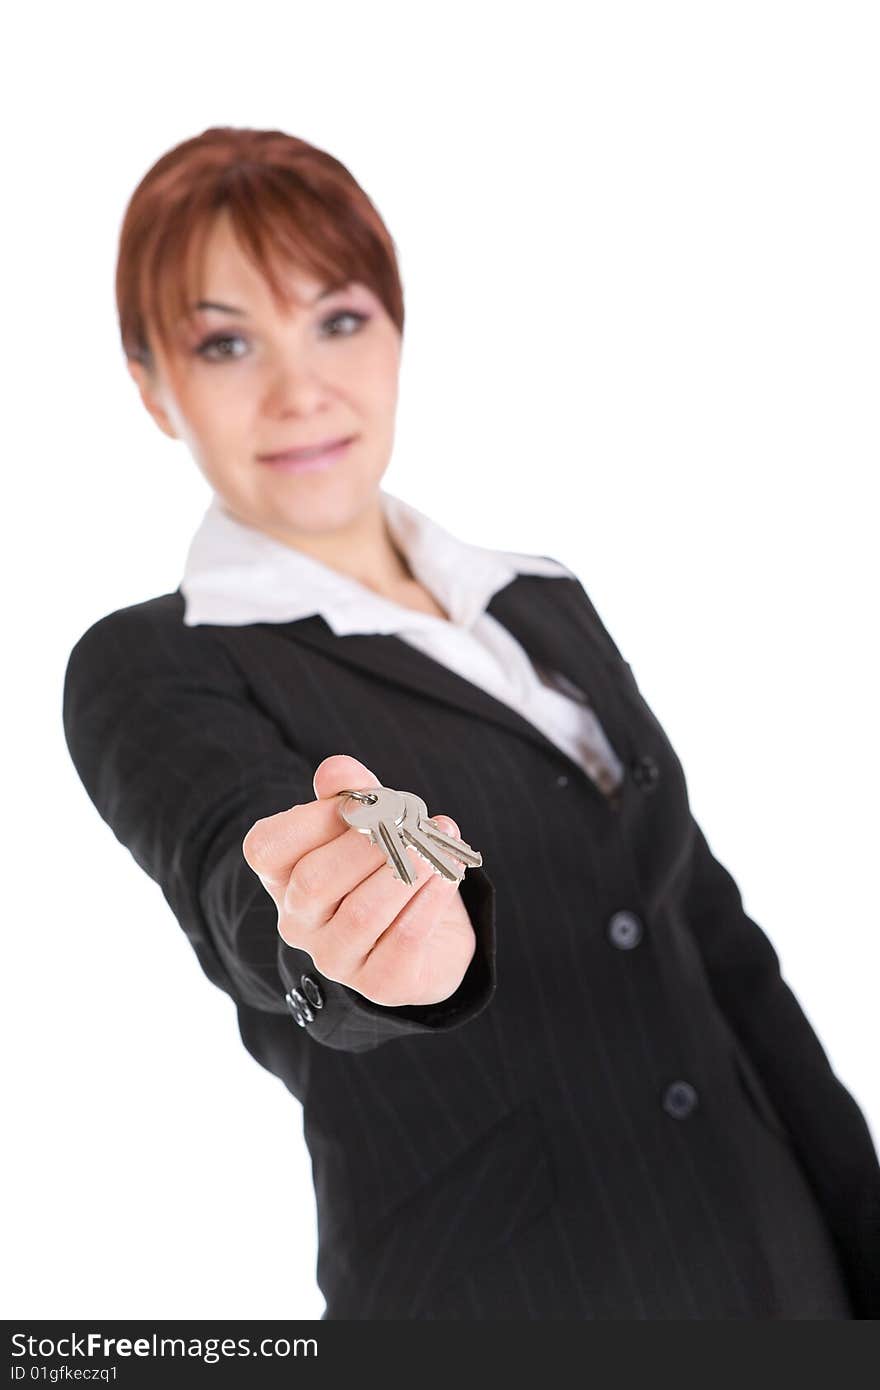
{"x": 427, "y": 839}
{"x": 379, "y": 812}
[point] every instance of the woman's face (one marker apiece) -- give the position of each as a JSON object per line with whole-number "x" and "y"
{"x": 253, "y": 379}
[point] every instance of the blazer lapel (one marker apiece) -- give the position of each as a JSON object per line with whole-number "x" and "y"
{"x": 555, "y": 623}
{"x": 548, "y": 615}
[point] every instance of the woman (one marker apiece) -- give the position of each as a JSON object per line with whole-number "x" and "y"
{"x": 574, "y": 1085}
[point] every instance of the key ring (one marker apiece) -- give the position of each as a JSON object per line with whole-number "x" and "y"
{"x": 397, "y": 821}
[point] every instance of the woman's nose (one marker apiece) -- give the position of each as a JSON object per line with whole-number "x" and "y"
{"x": 294, "y": 386}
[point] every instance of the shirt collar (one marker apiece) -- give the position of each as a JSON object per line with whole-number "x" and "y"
{"x": 235, "y": 573}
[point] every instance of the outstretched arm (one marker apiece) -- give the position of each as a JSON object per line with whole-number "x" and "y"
{"x": 180, "y": 762}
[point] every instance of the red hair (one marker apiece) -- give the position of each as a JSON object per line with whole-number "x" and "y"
{"x": 291, "y": 205}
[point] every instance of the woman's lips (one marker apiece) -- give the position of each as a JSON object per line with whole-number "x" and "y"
{"x": 308, "y": 460}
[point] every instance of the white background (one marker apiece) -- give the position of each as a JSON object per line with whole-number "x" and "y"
{"x": 639, "y": 252}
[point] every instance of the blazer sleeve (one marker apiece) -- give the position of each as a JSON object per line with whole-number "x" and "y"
{"x": 180, "y": 761}
{"x": 826, "y": 1124}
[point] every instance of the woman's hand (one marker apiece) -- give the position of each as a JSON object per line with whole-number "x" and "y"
{"x": 338, "y": 899}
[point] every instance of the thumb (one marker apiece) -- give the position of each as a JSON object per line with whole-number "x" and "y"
{"x": 339, "y": 772}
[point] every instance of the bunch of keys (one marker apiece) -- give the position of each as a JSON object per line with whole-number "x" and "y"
{"x": 394, "y": 820}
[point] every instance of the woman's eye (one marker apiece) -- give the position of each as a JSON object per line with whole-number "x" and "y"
{"x": 216, "y": 348}
{"x": 352, "y": 314}
{"x": 215, "y": 341}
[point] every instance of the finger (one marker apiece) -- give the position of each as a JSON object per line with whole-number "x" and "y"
{"x": 274, "y": 843}
{"x": 322, "y": 882}
{"x": 368, "y": 914}
{"x": 341, "y": 772}
{"x": 372, "y": 908}
{"x": 415, "y": 954}
{"x": 323, "y": 877}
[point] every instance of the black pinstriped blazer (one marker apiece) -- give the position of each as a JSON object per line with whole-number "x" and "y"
{"x": 622, "y": 1112}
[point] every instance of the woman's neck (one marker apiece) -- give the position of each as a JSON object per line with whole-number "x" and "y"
{"x": 367, "y": 553}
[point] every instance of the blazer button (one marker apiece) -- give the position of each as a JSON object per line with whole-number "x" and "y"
{"x": 624, "y": 930}
{"x": 645, "y": 772}
{"x": 312, "y": 990}
{"x": 679, "y": 1099}
{"x": 299, "y": 1006}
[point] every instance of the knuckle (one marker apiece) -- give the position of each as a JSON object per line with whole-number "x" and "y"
{"x": 398, "y": 970}
{"x": 304, "y": 883}
{"x": 269, "y": 838}
{"x": 326, "y": 963}
{"x": 253, "y": 845}
{"x": 411, "y": 930}
{"x": 358, "y": 913}
{"x": 384, "y": 987}
{"x": 287, "y": 929}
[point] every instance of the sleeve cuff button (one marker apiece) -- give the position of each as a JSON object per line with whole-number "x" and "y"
{"x": 299, "y": 1006}
{"x": 312, "y": 991}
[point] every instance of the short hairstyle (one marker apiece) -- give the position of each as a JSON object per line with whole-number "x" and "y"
{"x": 291, "y": 205}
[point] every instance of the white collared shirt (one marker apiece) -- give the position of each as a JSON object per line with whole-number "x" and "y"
{"x": 234, "y": 574}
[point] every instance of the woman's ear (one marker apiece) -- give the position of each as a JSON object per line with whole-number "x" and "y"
{"x": 150, "y": 393}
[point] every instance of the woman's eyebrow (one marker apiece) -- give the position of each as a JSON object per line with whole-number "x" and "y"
{"x": 231, "y": 308}
{"x": 223, "y": 308}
